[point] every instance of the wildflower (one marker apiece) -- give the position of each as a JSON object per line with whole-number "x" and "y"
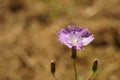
{"x": 75, "y": 37}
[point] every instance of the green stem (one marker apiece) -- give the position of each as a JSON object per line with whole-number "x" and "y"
{"x": 55, "y": 77}
{"x": 75, "y": 70}
{"x": 91, "y": 76}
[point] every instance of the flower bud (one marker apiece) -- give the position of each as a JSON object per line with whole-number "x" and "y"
{"x": 53, "y": 68}
{"x": 95, "y": 65}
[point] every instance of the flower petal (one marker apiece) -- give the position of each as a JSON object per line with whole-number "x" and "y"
{"x": 64, "y": 38}
{"x": 87, "y": 40}
{"x": 85, "y": 33}
{"x": 79, "y": 46}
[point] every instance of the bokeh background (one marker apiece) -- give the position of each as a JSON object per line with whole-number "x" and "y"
{"x": 28, "y": 38}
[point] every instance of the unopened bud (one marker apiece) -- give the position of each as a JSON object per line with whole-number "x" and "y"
{"x": 74, "y": 55}
{"x": 95, "y": 65}
{"x": 53, "y": 68}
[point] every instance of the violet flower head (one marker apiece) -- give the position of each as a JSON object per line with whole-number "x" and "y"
{"x": 75, "y": 37}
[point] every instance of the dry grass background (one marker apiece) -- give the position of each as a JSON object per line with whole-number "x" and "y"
{"x": 28, "y": 38}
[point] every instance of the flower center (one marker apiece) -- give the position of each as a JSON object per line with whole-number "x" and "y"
{"x": 74, "y": 41}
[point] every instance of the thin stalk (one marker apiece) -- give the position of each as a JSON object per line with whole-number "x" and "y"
{"x": 55, "y": 77}
{"x": 75, "y": 70}
{"x": 91, "y": 76}
{"x": 94, "y": 69}
{"x": 74, "y": 56}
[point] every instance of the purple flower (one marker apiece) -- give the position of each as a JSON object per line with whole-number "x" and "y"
{"x": 75, "y": 37}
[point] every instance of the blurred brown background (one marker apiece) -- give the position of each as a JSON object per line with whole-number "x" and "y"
{"x": 28, "y": 38}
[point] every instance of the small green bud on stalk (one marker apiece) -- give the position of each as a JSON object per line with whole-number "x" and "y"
{"x": 95, "y": 65}
{"x": 53, "y": 68}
